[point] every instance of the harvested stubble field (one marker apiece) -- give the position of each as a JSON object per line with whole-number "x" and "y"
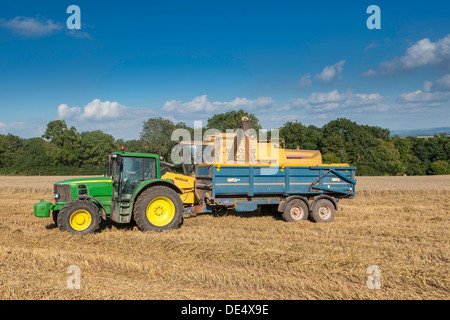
{"x": 400, "y": 224}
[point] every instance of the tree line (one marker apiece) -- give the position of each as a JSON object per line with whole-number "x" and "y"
{"x": 65, "y": 151}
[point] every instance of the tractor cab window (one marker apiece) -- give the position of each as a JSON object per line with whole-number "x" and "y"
{"x": 136, "y": 170}
{"x": 150, "y": 168}
{"x": 132, "y": 173}
{"x": 115, "y": 172}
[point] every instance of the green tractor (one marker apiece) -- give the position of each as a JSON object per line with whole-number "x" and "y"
{"x": 132, "y": 190}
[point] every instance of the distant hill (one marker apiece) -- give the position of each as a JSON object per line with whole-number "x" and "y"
{"x": 420, "y": 132}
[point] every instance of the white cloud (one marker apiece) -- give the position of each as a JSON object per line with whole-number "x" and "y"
{"x": 422, "y": 96}
{"x": 98, "y": 110}
{"x": 76, "y": 33}
{"x": 111, "y": 117}
{"x": 305, "y": 81}
{"x": 443, "y": 83}
{"x": 325, "y": 97}
{"x": 201, "y": 104}
{"x": 6, "y": 127}
{"x": 423, "y": 53}
{"x": 31, "y": 27}
{"x": 432, "y": 95}
{"x": 371, "y": 45}
{"x": 329, "y": 73}
{"x": 369, "y": 72}
{"x": 65, "y": 112}
{"x": 427, "y": 86}
{"x": 22, "y": 129}
{"x": 198, "y": 104}
{"x": 334, "y": 100}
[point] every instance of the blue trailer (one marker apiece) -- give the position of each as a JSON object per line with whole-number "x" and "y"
{"x": 297, "y": 192}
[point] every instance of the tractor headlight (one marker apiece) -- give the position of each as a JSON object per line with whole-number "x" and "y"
{"x": 56, "y": 196}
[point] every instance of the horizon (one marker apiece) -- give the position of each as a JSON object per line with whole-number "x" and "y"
{"x": 310, "y": 62}
{"x": 401, "y": 133}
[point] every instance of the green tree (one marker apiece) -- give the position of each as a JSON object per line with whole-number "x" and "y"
{"x": 313, "y": 138}
{"x": 231, "y": 120}
{"x": 96, "y": 145}
{"x": 436, "y": 147}
{"x": 404, "y": 147}
{"x": 5, "y": 153}
{"x": 358, "y": 145}
{"x": 416, "y": 167}
{"x": 331, "y": 157}
{"x": 440, "y": 167}
{"x": 130, "y": 145}
{"x": 294, "y": 134}
{"x": 32, "y": 158}
{"x": 67, "y": 140}
{"x": 9, "y": 145}
{"x": 334, "y": 147}
{"x": 156, "y": 136}
{"x": 386, "y": 158}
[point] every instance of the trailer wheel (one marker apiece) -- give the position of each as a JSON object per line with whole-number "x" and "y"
{"x": 295, "y": 210}
{"x": 323, "y": 211}
{"x": 158, "y": 208}
{"x": 79, "y": 217}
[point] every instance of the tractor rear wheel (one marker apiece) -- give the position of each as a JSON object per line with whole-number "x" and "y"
{"x": 158, "y": 208}
{"x": 79, "y": 217}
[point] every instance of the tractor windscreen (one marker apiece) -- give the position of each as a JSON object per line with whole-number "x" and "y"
{"x": 136, "y": 170}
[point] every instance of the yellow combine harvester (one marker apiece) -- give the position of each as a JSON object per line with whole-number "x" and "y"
{"x": 240, "y": 149}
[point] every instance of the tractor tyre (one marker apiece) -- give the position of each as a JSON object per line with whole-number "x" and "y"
{"x": 295, "y": 210}
{"x": 323, "y": 211}
{"x": 79, "y": 217}
{"x": 158, "y": 208}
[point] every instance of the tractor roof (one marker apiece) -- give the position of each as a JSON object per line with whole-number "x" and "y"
{"x": 135, "y": 154}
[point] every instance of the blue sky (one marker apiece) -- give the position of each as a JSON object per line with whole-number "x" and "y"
{"x": 187, "y": 60}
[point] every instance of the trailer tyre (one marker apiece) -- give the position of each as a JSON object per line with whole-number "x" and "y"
{"x": 158, "y": 208}
{"x": 323, "y": 211}
{"x": 295, "y": 210}
{"x": 79, "y": 217}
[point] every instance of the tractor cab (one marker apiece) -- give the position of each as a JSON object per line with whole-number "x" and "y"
{"x": 128, "y": 170}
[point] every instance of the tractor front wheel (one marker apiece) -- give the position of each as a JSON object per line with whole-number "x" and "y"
{"x": 79, "y": 217}
{"x": 158, "y": 208}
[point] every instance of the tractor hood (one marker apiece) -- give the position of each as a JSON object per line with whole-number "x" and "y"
{"x": 97, "y": 187}
{"x": 87, "y": 180}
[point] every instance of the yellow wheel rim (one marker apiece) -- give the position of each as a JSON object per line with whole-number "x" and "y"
{"x": 160, "y": 211}
{"x": 80, "y": 220}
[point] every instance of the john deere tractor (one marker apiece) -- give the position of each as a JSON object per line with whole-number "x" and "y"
{"x": 132, "y": 190}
